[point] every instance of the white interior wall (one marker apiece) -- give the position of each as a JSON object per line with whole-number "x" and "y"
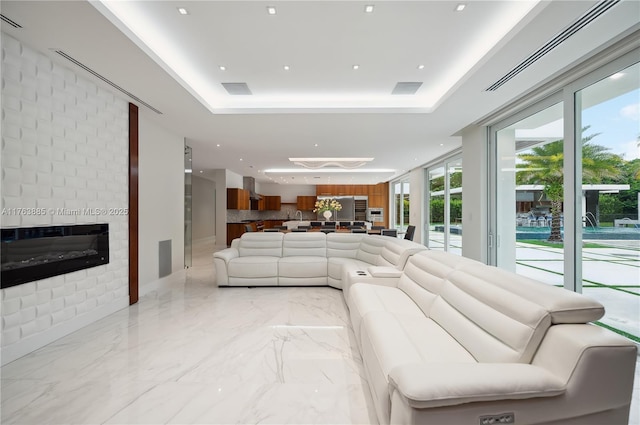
{"x": 161, "y": 198}
{"x": 203, "y": 208}
{"x": 219, "y": 178}
{"x": 475, "y": 193}
{"x": 233, "y": 180}
{"x": 64, "y": 150}
{"x": 288, "y": 192}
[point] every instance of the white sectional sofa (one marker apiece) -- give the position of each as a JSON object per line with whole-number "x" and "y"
{"x": 449, "y": 340}
{"x": 459, "y": 342}
{"x": 307, "y": 258}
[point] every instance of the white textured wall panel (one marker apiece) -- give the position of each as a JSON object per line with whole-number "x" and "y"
{"x": 64, "y": 148}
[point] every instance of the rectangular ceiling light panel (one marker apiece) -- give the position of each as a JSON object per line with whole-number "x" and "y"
{"x": 237, "y": 89}
{"x": 406, "y": 88}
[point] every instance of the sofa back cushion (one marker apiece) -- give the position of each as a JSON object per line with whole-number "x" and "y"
{"x": 370, "y": 249}
{"x": 305, "y": 244}
{"x": 492, "y": 322}
{"x": 261, "y": 244}
{"x": 425, "y": 273}
{"x": 396, "y": 252}
{"x": 345, "y": 245}
{"x": 563, "y": 306}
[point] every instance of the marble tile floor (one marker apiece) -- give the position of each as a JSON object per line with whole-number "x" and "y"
{"x": 193, "y": 353}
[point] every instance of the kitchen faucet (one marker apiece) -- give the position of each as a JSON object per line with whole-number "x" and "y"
{"x": 300, "y": 214}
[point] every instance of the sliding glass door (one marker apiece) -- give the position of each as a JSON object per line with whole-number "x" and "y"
{"x": 529, "y": 188}
{"x": 401, "y": 205}
{"x": 608, "y": 114}
{"x": 565, "y": 191}
{"x": 444, "y": 183}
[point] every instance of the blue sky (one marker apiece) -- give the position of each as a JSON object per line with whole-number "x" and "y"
{"x": 618, "y": 121}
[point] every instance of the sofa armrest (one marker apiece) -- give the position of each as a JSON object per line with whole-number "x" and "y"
{"x": 384, "y": 271}
{"x": 427, "y": 385}
{"x": 227, "y": 254}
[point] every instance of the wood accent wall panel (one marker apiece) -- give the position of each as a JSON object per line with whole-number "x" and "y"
{"x": 133, "y": 204}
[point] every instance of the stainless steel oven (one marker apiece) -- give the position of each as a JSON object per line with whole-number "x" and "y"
{"x": 375, "y": 215}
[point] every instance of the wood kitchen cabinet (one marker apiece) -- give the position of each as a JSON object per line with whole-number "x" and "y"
{"x": 272, "y": 203}
{"x": 379, "y": 195}
{"x": 306, "y": 203}
{"x": 258, "y": 204}
{"x": 238, "y": 199}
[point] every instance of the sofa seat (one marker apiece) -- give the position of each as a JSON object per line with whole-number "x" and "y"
{"x": 338, "y": 267}
{"x": 368, "y": 298}
{"x": 253, "y": 271}
{"x": 390, "y": 340}
{"x": 302, "y": 271}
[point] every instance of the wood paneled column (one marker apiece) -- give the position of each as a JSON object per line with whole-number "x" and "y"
{"x": 133, "y": 204}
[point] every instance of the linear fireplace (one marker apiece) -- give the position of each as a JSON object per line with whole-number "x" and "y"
{"x": 34, "y": 253}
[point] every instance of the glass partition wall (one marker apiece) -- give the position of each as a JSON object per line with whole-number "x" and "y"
{"x": 565, "y": 184}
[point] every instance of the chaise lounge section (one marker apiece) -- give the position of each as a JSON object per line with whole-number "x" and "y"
{"x": 457, "y": 341}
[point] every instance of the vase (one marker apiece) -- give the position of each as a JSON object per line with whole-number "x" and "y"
{"x": 327, "y": 215}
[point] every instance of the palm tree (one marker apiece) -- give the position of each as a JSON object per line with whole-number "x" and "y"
{"x": 544, "y": 165}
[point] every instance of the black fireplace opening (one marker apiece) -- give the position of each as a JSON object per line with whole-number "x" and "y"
{"x": 34, "y": 253}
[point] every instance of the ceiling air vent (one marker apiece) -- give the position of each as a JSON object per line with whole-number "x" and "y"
{"x": 111, "y": 83}
{"x": 406, "y": 88}
{"x": 591, "y": 15}
{"x": 10, "y": 22}
{"x": 237, "y": 89}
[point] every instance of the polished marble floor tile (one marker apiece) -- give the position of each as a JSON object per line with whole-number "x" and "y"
{"x": 194, "y": 353}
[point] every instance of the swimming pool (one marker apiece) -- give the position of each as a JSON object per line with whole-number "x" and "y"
{"x": 588, "y": 233}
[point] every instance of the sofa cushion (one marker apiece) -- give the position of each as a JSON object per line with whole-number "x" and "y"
{"x": 365, "y": 298}
{"x": 337, "y": 267}
{"x": 370, "y": 249}
{"x": 563, "y": 306}
{"x": 491, "y": 322}
{"x": 391, "y": 340}
{"x": 305, "y": 244}
{"x": 259, "y": 244}
{"x": 343, "y": 245}
{"x": 253, "y": 267}
{"x": 303, "y": 266}
{"x": 396, "y": 252}
{"x": 425, "y": 273}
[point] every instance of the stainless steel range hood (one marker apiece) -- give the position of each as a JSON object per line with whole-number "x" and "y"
{"x": 249, "y": 183}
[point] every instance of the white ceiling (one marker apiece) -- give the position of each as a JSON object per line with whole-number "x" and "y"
{"x": 171, "y": 62}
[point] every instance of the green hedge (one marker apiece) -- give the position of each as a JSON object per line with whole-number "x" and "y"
{"x": 437, "y": 209}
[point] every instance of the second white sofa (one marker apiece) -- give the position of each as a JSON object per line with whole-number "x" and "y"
{"x": 307, "y": 258}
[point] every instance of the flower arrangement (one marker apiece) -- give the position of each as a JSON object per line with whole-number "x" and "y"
{"x": 327, "y": 204}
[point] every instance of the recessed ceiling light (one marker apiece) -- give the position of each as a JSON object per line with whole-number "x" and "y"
{"x": 368, "y": 8}
{"x": 271, "y": 10}
{"x": 356, "y": 66}
{"x": 201, "y": 171}
{"x": 460, "y": 7}
{"x": 222, "y": 68}
{"x": 617, "y": 75}
{"x": 218, "y": 144}
{"x": 420, "y": 66}
{"x": 241, "y": 159}
{"x": 286, "y": 67}
{"x": 183, "y": 11}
